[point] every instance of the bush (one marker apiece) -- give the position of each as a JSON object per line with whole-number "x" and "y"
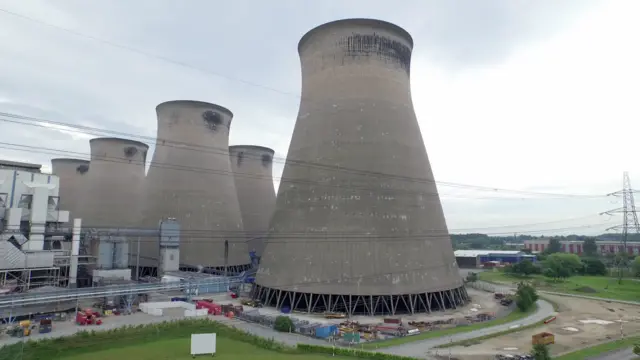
{"x": 526, "y": 296}
{"x": 593, "y": 267}
{"x": 317, "y": 349}
{"x": 90, "y": 341}
{"x": 284, "y": 324}
{"x": 541, "y": 352}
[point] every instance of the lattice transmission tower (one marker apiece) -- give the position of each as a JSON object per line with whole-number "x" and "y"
{"x": 629, "y": 221}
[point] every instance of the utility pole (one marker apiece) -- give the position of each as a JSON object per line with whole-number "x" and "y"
{"x": 629, "y": 221}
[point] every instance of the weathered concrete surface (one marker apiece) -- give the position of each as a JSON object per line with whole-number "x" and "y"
{"x": 253, "y": 173}
{"x": 73, "y": 174}
{"x": 112, "y": 195}
{"x": 190, "y": 179}
{"x": 358, "y": 211}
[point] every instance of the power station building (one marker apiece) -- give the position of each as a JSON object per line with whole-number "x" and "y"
{"x": 73, "y": 175}
{"x": 28, "y": 208}
{"x": 190, "y": 179}
{"x": 358, "y": 225}
{"x": 253, "y": 172}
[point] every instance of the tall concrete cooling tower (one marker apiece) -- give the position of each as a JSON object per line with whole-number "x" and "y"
{"x": 190, "y": 179}
{"x": 73, "y": 174}
{"x": 358, "y": 225}
{"x": 113, "y": 196}
{"x": 252, "y": 169}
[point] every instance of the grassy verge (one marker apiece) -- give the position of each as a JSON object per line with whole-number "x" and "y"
{"x": 599, "y": 349}
{"x": 513, "y": 316}
{"x": 478, "y": 340}
{"x": 596, "y": 286}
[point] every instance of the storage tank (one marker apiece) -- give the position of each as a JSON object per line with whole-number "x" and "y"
{"x": 252, "y": 169}
{"x": 358, "y": 225}
{"x": 190, "y": 179}
{"x": 114, "y": 185}
{"x": 73, "y": 174}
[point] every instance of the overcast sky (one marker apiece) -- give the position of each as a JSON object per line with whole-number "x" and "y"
{"x": 537, "y": 95}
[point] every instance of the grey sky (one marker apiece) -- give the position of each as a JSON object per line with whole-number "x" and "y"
{"x": 242, "y": 54}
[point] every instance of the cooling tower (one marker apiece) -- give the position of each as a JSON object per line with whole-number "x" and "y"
{"x": 114, "y": 184}
{"x": 358, "y": 225}
{"x": 190, "y": 179}
{"x": 252, "y": 169}
{"x": 73, "y": 174}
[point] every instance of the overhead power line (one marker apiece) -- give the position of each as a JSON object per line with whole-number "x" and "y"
{"x": 190, "y": 236}
{"x": 185, "y": 146}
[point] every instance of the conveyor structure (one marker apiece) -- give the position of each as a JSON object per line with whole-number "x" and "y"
{"x": 15, "y": 300}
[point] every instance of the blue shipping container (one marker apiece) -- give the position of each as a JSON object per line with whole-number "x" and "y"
{"x": 326, "y": 331}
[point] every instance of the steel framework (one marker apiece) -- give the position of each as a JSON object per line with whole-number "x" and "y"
{"x": 629, "y": 219}
{"x": 370, "y": 305}
{"x": 8, "y": 301}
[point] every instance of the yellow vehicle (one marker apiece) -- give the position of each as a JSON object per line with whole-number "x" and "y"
{"x": 21, "y": 330}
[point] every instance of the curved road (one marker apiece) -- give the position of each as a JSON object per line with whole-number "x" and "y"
{"x": 421, "y": 349}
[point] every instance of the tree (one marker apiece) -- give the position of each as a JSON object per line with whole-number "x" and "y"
{"x": 472, "y": 277}
{"x": 589, "y": 247}
{"x": 523, "y": 268}
{"x": 635, "y": 266}
{"x": 283, "y": 324}
{"x": 541, "y": 352}
{"x": 561, "y": 266}
{"x": 554, "y": 247}
{"x": 636, "y": 349}
{"x": 591, "y": 266}
{"x": 526, "y": 296}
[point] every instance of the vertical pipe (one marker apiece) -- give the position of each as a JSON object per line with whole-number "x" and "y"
{"x": 75, "y": 252}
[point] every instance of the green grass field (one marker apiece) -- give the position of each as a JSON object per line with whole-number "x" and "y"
{"x": 178, "y": 349}
{"x": 596, "y": 286}
{"x": 600, "y": 349}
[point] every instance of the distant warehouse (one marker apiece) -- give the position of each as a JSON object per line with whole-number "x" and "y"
{"x": 478, "y": 258}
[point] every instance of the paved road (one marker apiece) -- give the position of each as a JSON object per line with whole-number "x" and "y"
{"x": 421, "y": 349}
{"x": 624, "y": 354}
{"x": 508, "y": 287}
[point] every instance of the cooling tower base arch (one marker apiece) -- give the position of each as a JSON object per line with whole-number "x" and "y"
{"x": 368, "y": 305}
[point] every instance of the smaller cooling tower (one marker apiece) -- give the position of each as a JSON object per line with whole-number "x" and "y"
{"x": 190, "y": 179}
{"x": 114, "y": 185}
{"x": 252, "y": 169}
{"x": 73, "y": 174}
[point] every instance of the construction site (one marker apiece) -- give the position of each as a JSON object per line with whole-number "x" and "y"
{"x": 349, "y": 255}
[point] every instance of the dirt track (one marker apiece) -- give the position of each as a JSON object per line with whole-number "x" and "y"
{"x": 580, "y": 322}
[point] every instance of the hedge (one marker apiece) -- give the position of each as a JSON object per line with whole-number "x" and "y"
{"x": 90, "y": 341}
{"x": 361, "y": 354}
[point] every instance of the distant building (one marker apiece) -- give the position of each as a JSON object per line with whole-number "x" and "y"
{"x": 14, "y": 165}
{"x": 576, "y": 246}
{"x": 476, "y": 258}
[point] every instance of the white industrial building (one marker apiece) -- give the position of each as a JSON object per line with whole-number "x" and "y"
{"x": 28, "y": 208}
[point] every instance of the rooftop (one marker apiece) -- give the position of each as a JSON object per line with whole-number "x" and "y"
{"x": 15, "y": 165}
{"x": 475, "y": 253}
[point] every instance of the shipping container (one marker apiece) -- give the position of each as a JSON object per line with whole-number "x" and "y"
{"x": 324, "y": 332}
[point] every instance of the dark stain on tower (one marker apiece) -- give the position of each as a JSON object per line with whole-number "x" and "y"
{"x": 383, "y": 47}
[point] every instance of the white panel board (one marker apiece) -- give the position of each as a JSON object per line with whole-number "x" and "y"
{"x": 203, "y": 344}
